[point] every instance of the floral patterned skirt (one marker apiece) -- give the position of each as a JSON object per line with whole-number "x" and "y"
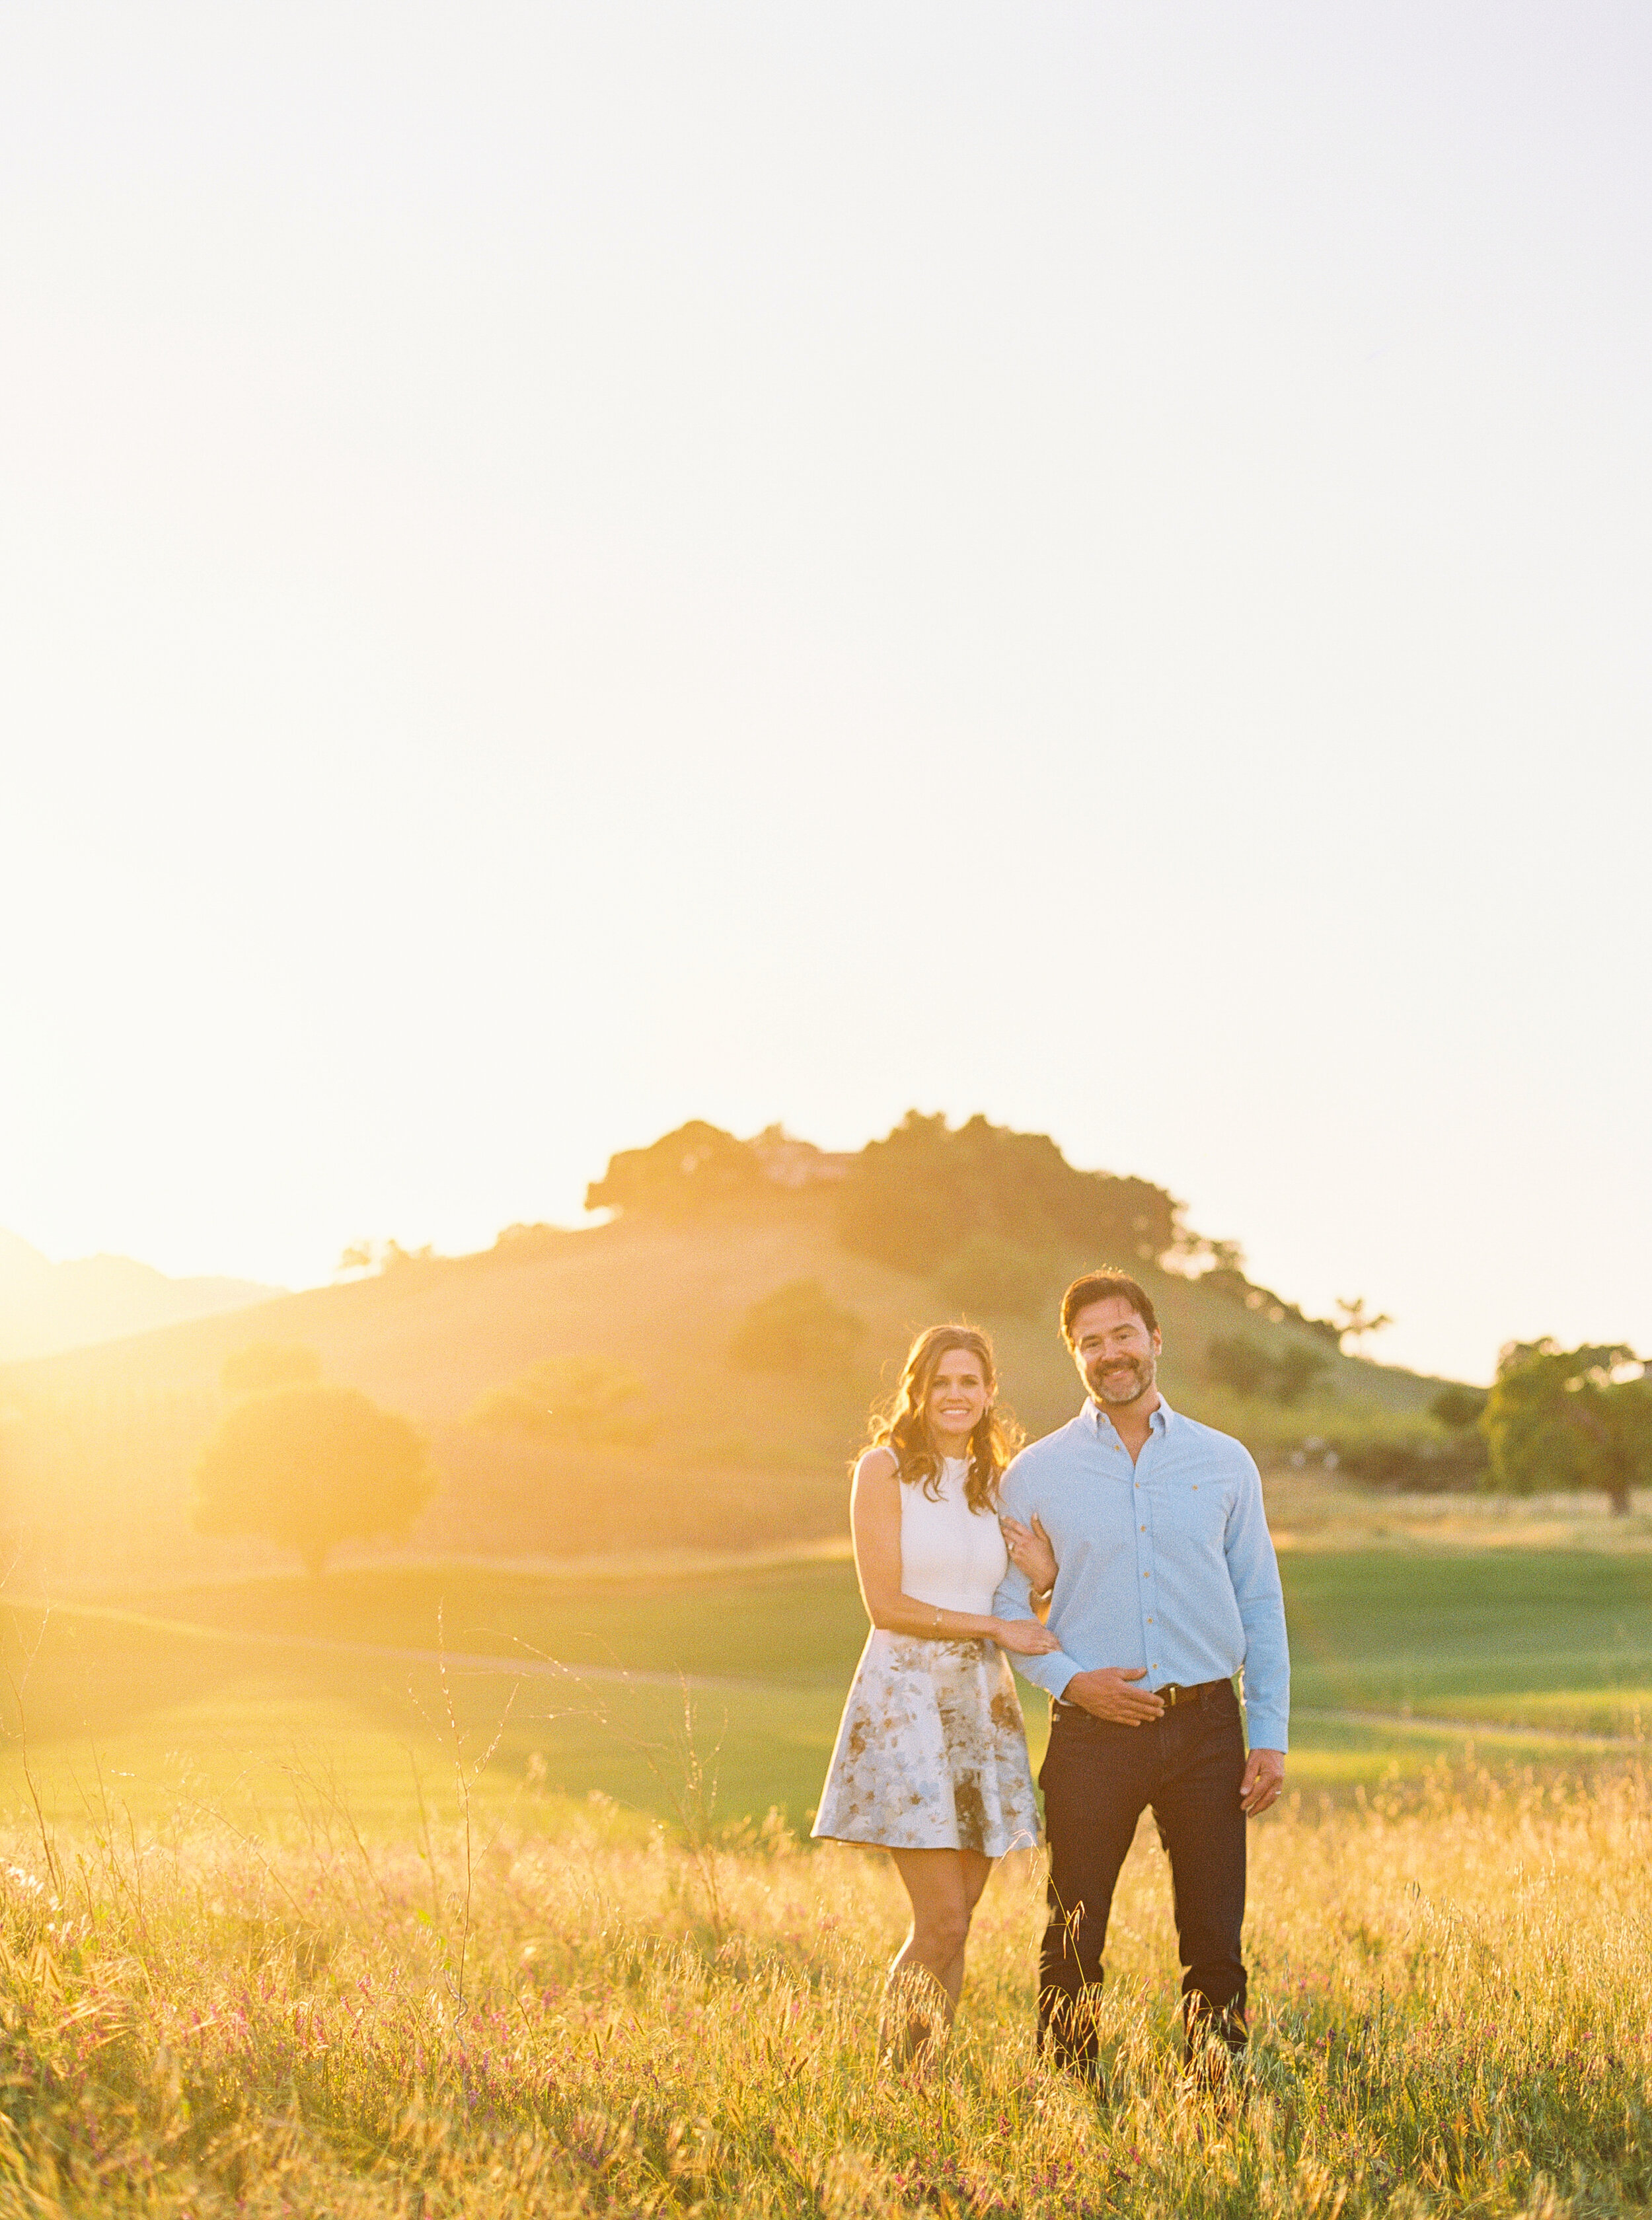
{"x": 932, "y": 1753}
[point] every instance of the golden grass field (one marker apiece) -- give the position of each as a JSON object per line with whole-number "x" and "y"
{"x": 568, "y": 2011}
{"x": 337, "y": 1928}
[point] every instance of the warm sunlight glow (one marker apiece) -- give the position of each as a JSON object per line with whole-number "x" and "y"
{"x": 1114, "y": 604}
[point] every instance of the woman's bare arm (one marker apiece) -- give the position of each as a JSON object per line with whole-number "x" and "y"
{"x": 874, "y": 1513}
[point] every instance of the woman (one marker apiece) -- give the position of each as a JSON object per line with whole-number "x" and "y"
{"x": 930, "y": 1759}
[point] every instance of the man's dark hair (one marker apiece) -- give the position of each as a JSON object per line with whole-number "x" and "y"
{"x": 1097, "y": 1287}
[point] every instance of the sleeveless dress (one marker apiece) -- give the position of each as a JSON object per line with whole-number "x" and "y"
{"x": 931, "y": 1752}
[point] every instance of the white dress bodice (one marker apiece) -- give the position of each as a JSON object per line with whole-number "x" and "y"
{"x": 950, "y": 1554}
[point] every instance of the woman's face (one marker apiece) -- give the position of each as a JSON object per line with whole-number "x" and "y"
{"x": 958, "y": 1396}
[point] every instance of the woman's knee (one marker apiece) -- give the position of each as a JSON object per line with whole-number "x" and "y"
{"x": 942, "y": 1931}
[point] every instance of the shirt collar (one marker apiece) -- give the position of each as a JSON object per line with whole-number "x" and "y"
{"x": 1095, "y": 1417}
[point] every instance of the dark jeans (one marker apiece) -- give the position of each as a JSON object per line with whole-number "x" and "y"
{"x": 1097, "y": 1780}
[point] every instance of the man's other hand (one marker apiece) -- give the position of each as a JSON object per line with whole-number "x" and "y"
{"x": 1264, "y": 1778}
{"x": 1106, "y": 1695}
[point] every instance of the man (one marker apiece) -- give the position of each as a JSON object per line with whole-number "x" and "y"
{"x": 1167, "y": 1587}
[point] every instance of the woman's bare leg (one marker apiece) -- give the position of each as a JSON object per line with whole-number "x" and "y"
{"x": 922, "y": 1990}
{"x": 977, "y": 1871}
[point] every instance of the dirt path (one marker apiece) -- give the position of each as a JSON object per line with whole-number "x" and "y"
{"x": 526, "y": 1666}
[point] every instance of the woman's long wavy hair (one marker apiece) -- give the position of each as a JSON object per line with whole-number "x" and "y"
{"x": 903, "y": 1427}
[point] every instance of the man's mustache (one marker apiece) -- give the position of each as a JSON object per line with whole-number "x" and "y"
{"x": 1118, "y": 1368}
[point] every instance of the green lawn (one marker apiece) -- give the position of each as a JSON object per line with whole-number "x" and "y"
{"x": 1559, "y": 1639}
{"x": 236, "y": 1715}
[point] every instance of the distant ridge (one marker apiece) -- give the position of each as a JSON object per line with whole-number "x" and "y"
{"x": 46, "y": 1308}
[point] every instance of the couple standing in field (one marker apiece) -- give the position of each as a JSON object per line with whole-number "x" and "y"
{"x": 1125, "y": 1564}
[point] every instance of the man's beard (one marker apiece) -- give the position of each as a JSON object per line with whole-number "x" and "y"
{"x": 1119, "y": 1389}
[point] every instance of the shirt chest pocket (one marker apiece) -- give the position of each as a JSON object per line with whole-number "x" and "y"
{"x": 1197, "y": 1514}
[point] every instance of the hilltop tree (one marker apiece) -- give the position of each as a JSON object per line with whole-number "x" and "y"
{"x": 309, "y": 1467}
{"x": 915, "y": 1198}
{"x": 264, "y": 1364}
{"x": 682, "y": 1175}
{"x": 1560, "y": 1419}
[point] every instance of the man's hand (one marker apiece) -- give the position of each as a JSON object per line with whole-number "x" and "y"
{"x": 1106, "y": 1695}
{"x": 1264, "y": 1778}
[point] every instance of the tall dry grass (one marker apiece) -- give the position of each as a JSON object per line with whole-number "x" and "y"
{"x": 579, "y": 2016}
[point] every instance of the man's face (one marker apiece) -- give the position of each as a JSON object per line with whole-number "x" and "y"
{"x": 1116, "y": 1355}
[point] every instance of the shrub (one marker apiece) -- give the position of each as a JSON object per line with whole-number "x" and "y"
{"x": 1457, "y": 1405}
{"x": 1425, "y": 1462}
{"x": 798, "y": 1329}
{"x": 1236, "y": 1361}
{"x": 1295, "y": 1370}
{"x": 590, "y": 1400}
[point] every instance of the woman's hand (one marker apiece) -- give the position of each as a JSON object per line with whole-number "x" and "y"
{"x": 1030, "y": 1552}
{"x": 1024, "y": 1637}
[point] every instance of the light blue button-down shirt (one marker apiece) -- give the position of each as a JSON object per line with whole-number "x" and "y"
{"x": 1167, "y": 1563}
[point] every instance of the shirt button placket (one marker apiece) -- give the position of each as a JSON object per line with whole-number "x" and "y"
{"x": 1144, "y": 1552}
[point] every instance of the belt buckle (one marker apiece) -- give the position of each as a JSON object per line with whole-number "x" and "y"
{"x": 1172, "y": 1694}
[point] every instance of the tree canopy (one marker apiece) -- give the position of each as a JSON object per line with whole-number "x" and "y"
{"x": 685, "y": 1173}
{"x": 1559, "y": 1418}
{"x": 917, "y": 1197}
{"x": 309, "y": 1467}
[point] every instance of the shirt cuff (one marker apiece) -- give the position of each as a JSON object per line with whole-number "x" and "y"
{"x": 1051, "y": 1672}
{"x": 1264, "y": 1729}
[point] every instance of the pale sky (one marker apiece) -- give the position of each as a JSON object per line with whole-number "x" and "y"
{"x": 565, "y": 568}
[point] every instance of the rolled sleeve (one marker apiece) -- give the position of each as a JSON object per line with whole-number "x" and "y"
{"x": 1254, "y": 1571}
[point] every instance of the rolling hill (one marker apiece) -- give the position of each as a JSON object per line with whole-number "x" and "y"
{"x": 96, "y": 1444}
{"x": 45, "y": 1306}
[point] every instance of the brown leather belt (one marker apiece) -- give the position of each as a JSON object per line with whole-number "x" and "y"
{"x": 1174, "y": 1693}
